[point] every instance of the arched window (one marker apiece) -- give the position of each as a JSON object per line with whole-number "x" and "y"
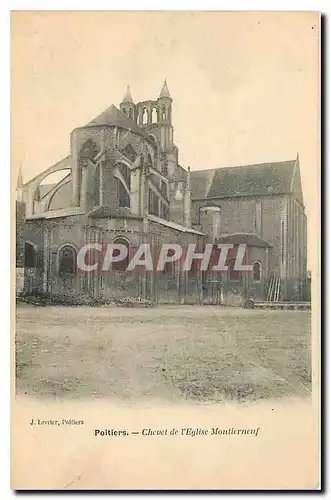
{"x": 88, "y": 151}
{"x": 129, "y": 152}
{"x": 36, "y": 201}
{"x": 122, "y": 195}
{"x": 153, "y": 203}
{"x": 130, "y": 113}
{"x": 144, "y": 117}
{"x": 67, "y": 260}
{"x": 37, "y": 194}
{"x": 30, "y": 255}
{"x": 163, "y": 113}
{"x": 154, "y": 115}
{"x": 121, "y": 265}
{"x": 126, "y": 173}
{"x": 257, "y": 271}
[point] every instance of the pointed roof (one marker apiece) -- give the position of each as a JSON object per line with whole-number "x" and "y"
{"x": 245, "y": 180}
{"x": 20, "y": 178}
{"x": 114, "y": 117}
{"x": 127, "y": 96}
{"x": 165, "y": 91}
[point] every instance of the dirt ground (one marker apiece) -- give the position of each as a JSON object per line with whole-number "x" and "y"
{"x": 206, "y": 354}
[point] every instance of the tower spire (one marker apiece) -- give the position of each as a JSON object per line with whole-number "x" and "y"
{"x": 165, "y": 91}
{"x": 20, "y": 178}
{"x": 19, "y": 186}
{"x": 127, "y": 97}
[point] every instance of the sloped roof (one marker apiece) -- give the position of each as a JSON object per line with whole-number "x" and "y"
{"x": 200, "y": 183}
{"x": 261, "y": 179}
{"x": 104, "y": 212}
{"x": 249, "y": 239}
{"x": 173, "y": 225}
{"x": 114, "y": 117}
{"x": 165, "y": 91}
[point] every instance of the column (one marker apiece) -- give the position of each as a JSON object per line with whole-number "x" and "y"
{"x": 46, "y": 249}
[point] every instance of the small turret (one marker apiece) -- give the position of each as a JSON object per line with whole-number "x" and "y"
{"x": 127, "y": 96}
{"x": 19, "y": 185}
{"x": 20, "y": 178}
{"x": 164, "y": 104}
{"x": 165, "y": 91}
{"x": 127, "y": 105}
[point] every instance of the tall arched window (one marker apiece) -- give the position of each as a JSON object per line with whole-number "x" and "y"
{"x": 122, "y": 195}
{"x": 30, "y": 255}
{"x": 154, "y": 115}
{"x": 153, "y": 203}
{"x": 67, "y": 260}
{"x": 126, "y": 174}
{"x": 144, "y": 117}
{"x": 37, "y": 194}
{"x": 121, "y": 265}
{"x": 257, "y": 271}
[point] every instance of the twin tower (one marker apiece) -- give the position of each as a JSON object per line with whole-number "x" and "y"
{"x": 154, "y": 117}
{"x": 147, "y": 113}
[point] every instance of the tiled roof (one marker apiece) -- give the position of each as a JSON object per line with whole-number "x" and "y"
{"x": 265, "y": 178}
{"x": 200, "y": 183}
{"x": 114, "y": 117}
{"x": 250, "y": 239}
{"x": 112, "y": 213}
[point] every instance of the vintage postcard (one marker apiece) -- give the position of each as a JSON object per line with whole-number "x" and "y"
{"x": 165, "y": 179}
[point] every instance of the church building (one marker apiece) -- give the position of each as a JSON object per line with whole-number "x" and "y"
{"x": 122, "y": 183}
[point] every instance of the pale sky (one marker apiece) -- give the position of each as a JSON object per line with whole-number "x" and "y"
{"x": 245, "y": 85}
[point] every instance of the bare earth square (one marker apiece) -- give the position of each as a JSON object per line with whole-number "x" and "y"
{"x": 207, "y": 354}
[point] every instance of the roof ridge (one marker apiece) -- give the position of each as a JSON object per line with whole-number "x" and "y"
{"x": 113, "y": 116}
{"x": 244, "y": 165}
